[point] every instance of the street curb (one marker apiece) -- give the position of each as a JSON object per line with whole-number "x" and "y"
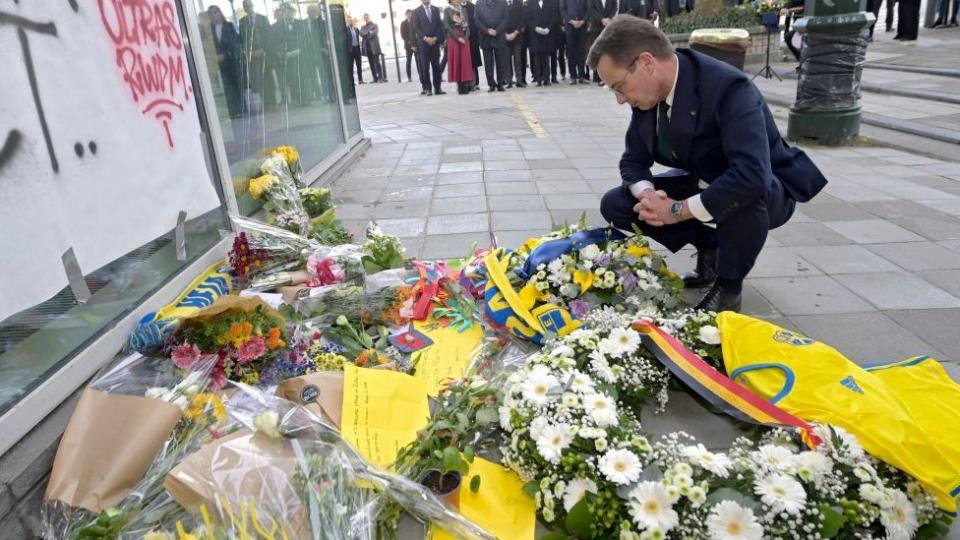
{"x": 892, "y": 91}
{"x": 914, "y": 69}
{"x": 873, "y": 120}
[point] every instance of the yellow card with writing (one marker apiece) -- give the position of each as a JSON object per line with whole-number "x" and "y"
{"x": 382, "y": 412}
{"x": 500, "y": 506}
{"x": 449, "y": 356}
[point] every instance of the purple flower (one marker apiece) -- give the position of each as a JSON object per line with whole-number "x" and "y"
{"x": 629, "y": 281}
{"x": 603, "y": 260}
{"x": 579, "y": 308}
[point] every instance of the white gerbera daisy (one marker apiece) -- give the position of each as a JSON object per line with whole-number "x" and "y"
{"x": 537, "y": 387}
{"x": 620, "y": 466}
{"x": 570, "y": 399}
{"x": 871, "y": 493}
{"x": 576, "y": 490}
{"x": 718, "y": 464}
{"x": 553, "y": 441}
{"x": 900, "y": 520}
{"x": 775, "y": 457}
{"x": 812, "y": 466}
{"x": 580, "y": 383}
{"x": 730, "y": 521}
{"x": 602, "y": 409}
{"x": 620, "y": 342}
{"x": 601, "y": 367}
{"x": 505, "y": 415}
{"x": 537, "y": 425}
{"x": 650, "y": 507}
{"x": 709, "y": 335}
{"x": 563, "y": 351}
{"x": 781, "y": 493}
{"x": 590, "y": 252}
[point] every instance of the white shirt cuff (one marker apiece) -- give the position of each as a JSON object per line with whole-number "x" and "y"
{"x": 637, "y": 188}
{"x": 697, "y": 208}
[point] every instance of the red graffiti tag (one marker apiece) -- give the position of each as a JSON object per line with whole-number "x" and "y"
{"x": 149, "y": 55}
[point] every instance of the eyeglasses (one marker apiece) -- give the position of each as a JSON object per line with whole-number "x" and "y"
{"x": 617, "y": 87}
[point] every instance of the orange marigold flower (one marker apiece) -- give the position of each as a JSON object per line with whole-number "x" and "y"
{"x": 273, "y": 339}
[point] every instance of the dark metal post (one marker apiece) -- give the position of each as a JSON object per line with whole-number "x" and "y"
{"x": 396, "y": 49}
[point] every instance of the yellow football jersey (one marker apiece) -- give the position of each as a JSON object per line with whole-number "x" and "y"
{"x": 816, "y": 383}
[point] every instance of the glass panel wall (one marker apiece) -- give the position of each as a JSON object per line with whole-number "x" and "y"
{"x": 348, "y": 62}
{"x": 274, "y": 82}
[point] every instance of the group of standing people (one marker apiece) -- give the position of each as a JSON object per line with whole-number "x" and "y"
{"x": 507, "y": 37}
{"x": 365, "y": 42}
{"x": 263, "y": 65}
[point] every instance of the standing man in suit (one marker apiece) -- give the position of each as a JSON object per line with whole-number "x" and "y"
{"x": 471, "y": 9}
{"x": 492, "y": 24}
{"x": 428, "y": 30}
{"x": 355, "y": 52}
{"x": 516, "y": 46}
{"x": 645, "y": 9}
{"x": 541, "y": 17}
{"x": 227, "y": 44}
{"x": 254, "y": 35}
{"x": 601, "y": 13}
{"x": 709, "y": 121}
{"x": 371, "y": 47}
{"x": 409, "y": 43}
{"x": 287, "y": 47}
{"x": 908, "y": 22}
{"x": 575, "y": 14}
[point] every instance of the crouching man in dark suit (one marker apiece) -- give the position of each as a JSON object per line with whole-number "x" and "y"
{"x": 731, "y": 166}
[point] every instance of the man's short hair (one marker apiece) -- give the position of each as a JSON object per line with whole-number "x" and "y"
{"x": 626, "y": 37}
{"x": 408, "y": 12}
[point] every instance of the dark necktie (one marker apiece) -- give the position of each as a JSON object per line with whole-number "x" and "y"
{"x": 428, "y": 14}
{"x": 664, "y": 148}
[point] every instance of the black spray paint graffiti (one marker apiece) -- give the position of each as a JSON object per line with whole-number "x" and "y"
{"x": 12, "y": 141}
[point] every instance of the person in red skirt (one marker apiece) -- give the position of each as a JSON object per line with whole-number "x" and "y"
{"x": 459, "y": 61}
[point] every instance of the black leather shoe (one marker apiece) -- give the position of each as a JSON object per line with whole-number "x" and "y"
{"x": 706, "y": 271}
{"x": 439, "y": 93}
{"x": 719, "y": 299}
{"x": 500, "y": 88}
{"x": 492, "y": 89}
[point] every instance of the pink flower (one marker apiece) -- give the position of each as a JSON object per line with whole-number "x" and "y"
{"x": 251, "y": 350}
{"x": 218, "y": 378}
{"x": 185, "y": 355}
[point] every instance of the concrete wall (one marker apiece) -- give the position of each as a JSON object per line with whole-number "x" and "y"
{"x": 758, "y": 44}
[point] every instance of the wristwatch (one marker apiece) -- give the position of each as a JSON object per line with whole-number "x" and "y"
{"x": 676, "y": 209}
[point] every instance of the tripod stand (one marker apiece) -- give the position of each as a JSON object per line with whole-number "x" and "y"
{"x": 766, "y": 71}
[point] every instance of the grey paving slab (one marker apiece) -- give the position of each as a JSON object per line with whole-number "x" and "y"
{"x": 505, "y": 165}
{"x": 470, "y": 149}
{"x": 513, "y": 239}
{"x": 460, "y": 158}
{"x": 808, "y": 234}
{"x": 811, "y": 295}
{"x": 425, "y": 168}
{"x": 952, "y": 245}
{"x": 850, "y": 259}
{"x": 357, "y": 197}
{"x": 553, "y": 187}
{"x": 403, "y": 227}
{"x": 754, "y": 303}
{"x": 594, "y": 217}
{"x": 407, "y": 193}
{"x": 466, "y": 166}
{"x": 938, "y": 327}
{"x": 897, "y": 209}
{"x": 355, "y": 211}
{"x": 458, "y": 223}
{"x": 494, "y": 155}
{"x": 948, "y": 280}
{"x": 932, "y": 228}
{"x": 458, "y": 205}
{"x": 550, "y": 164}
{"x": 401, "y": 209}
{"x": 351, "y": 183}
{"x": 510, "y": 203}
{"x": 862, "y": 337}
{"x": 918, "y": 255}
{"x": 873, "y": 231}
{"x": 459, "y": 190}
{"x": 947, "y": 206}
{"x": 460, "y": 178}
{"x": 507, "y": 176}
{"x": 782, "y": 262}
{"x": 572, "y": 201}
{"x": 514, "y": 188}
{"x": 858, "y": 194}
{"x": 555, "y": 174}
{"x": 898, "y": 290}
{"x": 411, "y": 181}
{"x": 448, "y": 246}
{"x": 518, "y": 221}
{"x": 602, "y": 173}
{"x": 918, "y": 192}
{"x": 834, "y": 212}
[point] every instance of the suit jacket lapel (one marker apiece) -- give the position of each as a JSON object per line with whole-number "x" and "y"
{"x": 686, "y": 107}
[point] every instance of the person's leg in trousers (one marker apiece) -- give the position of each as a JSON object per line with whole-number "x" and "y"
{"x": 357, "y": 59}
{"x": 488, "y": 66}
{"x": 409, "y": 60}
{"x": 553, "y": 66}
{"x": 510, "y": 50}
{"x": 501, "y": 55}
{"x": 562, "y": 56}
{"x": 437, "y": 70}
{"x": 423, "y": 51}
{"x": 891, "y": 9}
{"x": 521, "y": 68}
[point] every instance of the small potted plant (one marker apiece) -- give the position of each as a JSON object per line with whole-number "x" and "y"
{"x": 445, "y": 481}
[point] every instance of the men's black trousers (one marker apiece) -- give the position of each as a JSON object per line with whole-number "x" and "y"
{"x": 412, "y": 57}
{"x": 517, "y": 60}
{"x": 540, "y": 66}
{"x": 576, "y": 52}
{"x": 375, "y": 66}
{"x": 430, "y": 61}
{"x": 739, "y": 237}
{"x": 495, "y": 57}
{"x": 355, "y": 63}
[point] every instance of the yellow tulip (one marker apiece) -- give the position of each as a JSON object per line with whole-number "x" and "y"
{"x": 584, "y": 280}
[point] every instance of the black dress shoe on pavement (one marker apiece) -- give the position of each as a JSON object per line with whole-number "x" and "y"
{"x": 424, "y": 92}
{"x": 492, "y": 89}
{"x": 439, "y": 93}
{"x": 555, "y": 81}
{"x": 500, "y": 88}
{"x": 706, "y": 271}
{"x": 718, "y": 299}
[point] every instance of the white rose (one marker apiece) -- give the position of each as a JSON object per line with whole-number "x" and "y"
{"x": 590, "y": 252}
{"x": 710, "y": 335}
{"x": 268, "y": 423}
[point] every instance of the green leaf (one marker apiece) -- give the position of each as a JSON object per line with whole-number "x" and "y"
{"x": 554, "y": 536}
{"x": 833, "y": 520}
{"x": 487, "y": 416}
{"x": 468, "y": 453}
{"x": 531, "y": 488}
{"x": 475, "y": 483}
{"x": 451, "y": 459}
{"x": 728, "y": 494}
{"x": 579, "y": 519}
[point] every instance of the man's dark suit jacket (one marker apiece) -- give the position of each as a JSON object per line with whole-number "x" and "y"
{"x": 492, "y": 14}
{"x": 578, "y": 10}
{"x": 422, "y": 28}
{"x": 547, "y": 17}
{"x": 254, "y": 32}
{"x": 722, "y": 132}
{"x": 600, "y": 9}
{"x": 515, "y": 18}
{"x": 638, "y": 8}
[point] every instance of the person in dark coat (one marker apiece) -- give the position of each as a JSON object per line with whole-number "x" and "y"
{"x": 706, "y": 119}
{"x": 254, "y": 36}
{"x": 542, "y": 16}
{"x": 286, "y": 46}
{"x": 908, "y": 23}
{"x": 516, "y": 45}
{"x": 409, "y": 43}
{"x": 427, "y": 25}
{"x": 471, "y": 9}
{"x": 601, "y": 13}
{"x": 558, "y": 58}
{"x": 355, "y": 52}
{"x": 227, "y": 43}
{"x": 371, "y": 47}
{"x": 645, "y": 9}
{"x": 575, "y": 15}
{"x": 492, "y": 23}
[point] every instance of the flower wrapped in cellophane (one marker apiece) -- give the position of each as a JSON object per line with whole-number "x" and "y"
{"x": 262, "y": 257}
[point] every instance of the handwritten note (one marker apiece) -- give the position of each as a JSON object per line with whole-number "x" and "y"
{"x": 382, "y": 412}
{"x": 449, "y": 356}
{"x": 500, "y": 506}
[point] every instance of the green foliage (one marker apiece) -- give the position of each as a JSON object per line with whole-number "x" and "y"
{"x": 327, "y": 230}
{"x": 833, "y": 520}
{"x": 728, "y": 17}
{"x": 382, "y": 252}
{"x": 579, "y": 519}
{"x": 315, "y": 201}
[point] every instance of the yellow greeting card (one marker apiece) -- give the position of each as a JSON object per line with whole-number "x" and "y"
{"x": 449, "y": 356}
{"x": 382, "y": 412}
{"x": 500, "y": 506}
